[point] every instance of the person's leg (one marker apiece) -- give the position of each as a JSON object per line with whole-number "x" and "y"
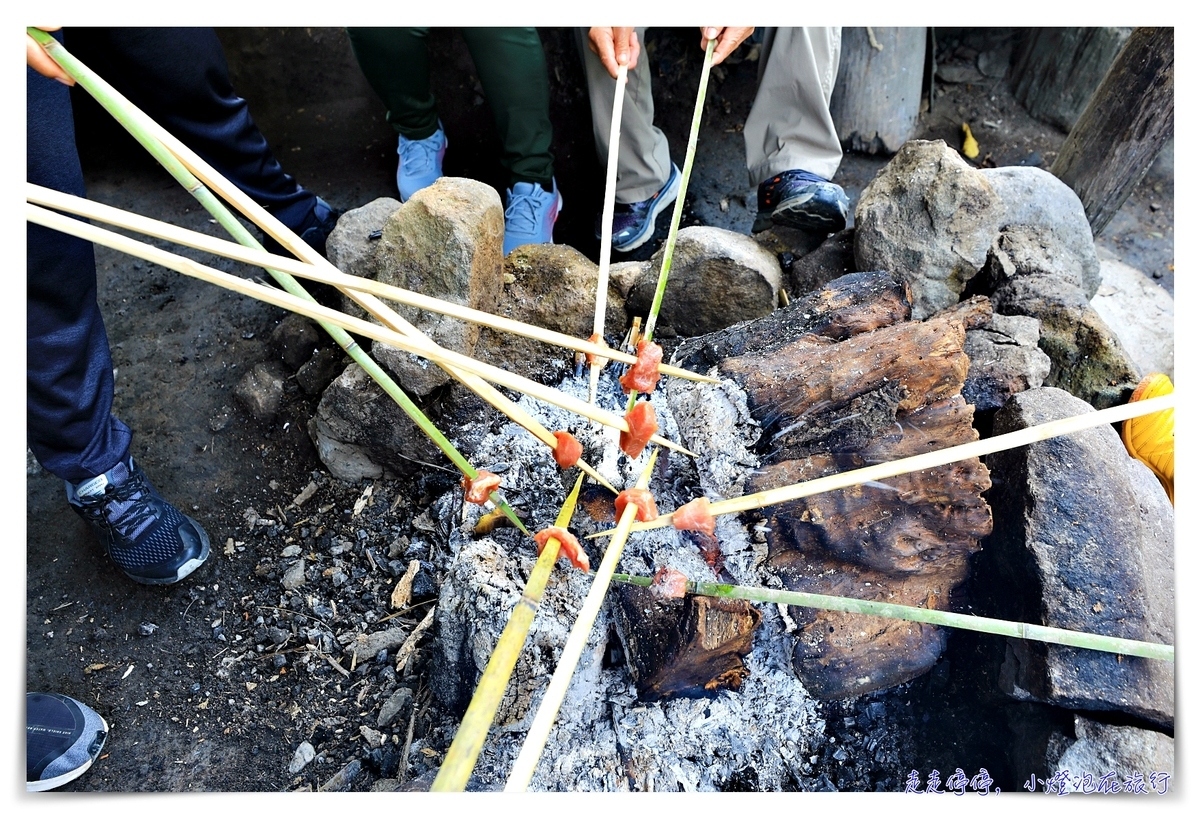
{"x": 395, "y": 62}
{"x": 512, "y": 70}
{"x": 71, "y": 429}
{"x": 180, "y": 79}
{"x": 789, "y": 125}
{"x": 792, "y": 147}
{"x": 69, "y": 379}
{"x": 644, "y": 161}
{"x": 647, "y": 181}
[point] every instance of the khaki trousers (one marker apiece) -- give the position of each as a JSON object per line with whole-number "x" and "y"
{"x": 788, "y": 128}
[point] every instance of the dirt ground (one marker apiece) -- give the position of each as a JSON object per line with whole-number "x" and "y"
{"x": 211, "y": 685}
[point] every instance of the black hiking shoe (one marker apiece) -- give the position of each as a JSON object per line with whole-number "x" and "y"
{"x": 802, "y": 200}
{"x": 314, "y": 230}
{"x": 62, "y": 739}
{"x": 147, "y": 537}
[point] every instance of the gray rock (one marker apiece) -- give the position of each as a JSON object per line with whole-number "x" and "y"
{"x": 1083, "y": 540}
{"x": 366, "y": 645}
{"x": 260, "y": 390}
{"x": 350, "y": 247}
{"x": 293, "y": 577}
{"x": 1028, "y": 276}
{"x": 295, "y": 338}
{"x": 303, "y": 755}
{"x": 717, "y": 279}
{"x": 1116, "y": 755}
{"x": 552, "y": 286}
{"x": 395, "y": 707}
{"x": 319, "y": 371}
{"x": 1036, "y": 198}
{"x": 1140, "y": 313}
{"x": 930, "y": 217}
{"x": 832, "y": 259}
{"x": 360, "y": 431}
{"x": 1005, "y": 360}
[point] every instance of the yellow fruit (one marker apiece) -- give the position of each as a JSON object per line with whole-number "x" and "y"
{"x": 970, "y": 147}
{"x": 1151, "y": 438}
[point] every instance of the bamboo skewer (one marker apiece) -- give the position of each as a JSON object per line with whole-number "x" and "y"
{"x": 171, "y": 154}
{"x": 930, "y": 616}
{"x": 324, "y": 272}
{"x": 928, "y": 460}
{"x": 312, "y": 309}
{"x": 677, "y": 214}
{"x": 606, "y": 225}
{"x": 468, "y": 741}
{"x": 539, "y": 730}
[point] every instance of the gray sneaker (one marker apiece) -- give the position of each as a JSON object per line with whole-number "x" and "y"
{"x": 147, "y": 537}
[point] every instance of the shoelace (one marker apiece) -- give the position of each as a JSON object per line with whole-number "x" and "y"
{"x": 522, "y": 210}
{"x": 418, "y": 155}
{"x": 123, "y": 509}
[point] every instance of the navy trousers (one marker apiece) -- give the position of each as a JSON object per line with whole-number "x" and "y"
{"x": 179, "y": 77}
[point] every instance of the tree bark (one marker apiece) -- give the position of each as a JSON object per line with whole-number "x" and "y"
{"x": 1130, "y": 117}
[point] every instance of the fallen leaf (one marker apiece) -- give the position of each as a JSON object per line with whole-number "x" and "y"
{"x": 402, "y": 593}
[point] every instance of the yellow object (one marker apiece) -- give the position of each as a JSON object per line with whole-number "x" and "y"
{"x": 1151, "y": 438}
{"x": 970, "y": 147}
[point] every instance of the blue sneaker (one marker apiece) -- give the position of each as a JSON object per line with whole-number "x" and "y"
{"x": 147, "y": 537}
{"x": 633, "y": 224}
{"x": 803, "y": 200}
{"x": 530, "y": 214}
{"x": 62, "y": 739}
{"x": 420, "y": 162}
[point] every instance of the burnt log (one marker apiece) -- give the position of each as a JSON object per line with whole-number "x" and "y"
{"x": 686, "y": 646}
{"x": 829, "y": 406}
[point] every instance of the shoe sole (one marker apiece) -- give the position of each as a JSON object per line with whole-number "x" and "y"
{"x": 648, "y": 231}
{"x": 811, "y": 214}
{"x": 53, "y": 783}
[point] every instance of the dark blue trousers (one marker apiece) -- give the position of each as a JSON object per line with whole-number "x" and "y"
{"x": 178, "y": 77}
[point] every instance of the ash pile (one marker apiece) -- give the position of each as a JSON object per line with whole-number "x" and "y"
{"x": 959, "y": 306}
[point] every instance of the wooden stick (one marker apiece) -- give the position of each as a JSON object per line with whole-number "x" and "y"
{"x": 539, "y": 730}
{"x": 928, "y": 460}
{"x": 325, "y": 273}
{"x": 421, "y": 347}
{"x": 606, "y": 224}
{"x": 481, "y": 712}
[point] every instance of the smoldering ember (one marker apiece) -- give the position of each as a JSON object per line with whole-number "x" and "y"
{"x": 966, "y": 301}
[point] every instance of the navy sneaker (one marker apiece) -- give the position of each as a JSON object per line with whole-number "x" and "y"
{"x": 147, "y": 537}
{"x": 420, "y": 162}
{"x": 633, "y": 224}
{"x": 63, "y": 737}
{"x": 803, "y": 200}
{"x": 530, "y": 214}
{"x": 313, "y": 231}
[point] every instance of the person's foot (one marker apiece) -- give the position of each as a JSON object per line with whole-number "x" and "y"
{"x": 63, "y": 737}
{"x": 420, "y": 162}
{"x": 314, "y": 230}
{"x": 803, "y": 200}
{"x": 530, "y": 213}
{"x": 633, "y": 224}
{"x": 147, "y": 537}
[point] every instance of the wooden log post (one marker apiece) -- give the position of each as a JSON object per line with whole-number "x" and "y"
{"x": 1056, "y": 70}
{"x": 1128, "y": 120}
{"x": 877, "y": 97}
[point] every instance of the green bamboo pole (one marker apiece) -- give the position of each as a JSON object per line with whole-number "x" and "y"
{"x": 468, "y": 741}
{"x": 556, "y": 691}
{"x": 132, "y": 119}
{"x": 677, "y": 214}
{"x": 888, "y": 610}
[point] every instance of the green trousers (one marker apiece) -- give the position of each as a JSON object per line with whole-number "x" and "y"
{"x": 512, "y": 69}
